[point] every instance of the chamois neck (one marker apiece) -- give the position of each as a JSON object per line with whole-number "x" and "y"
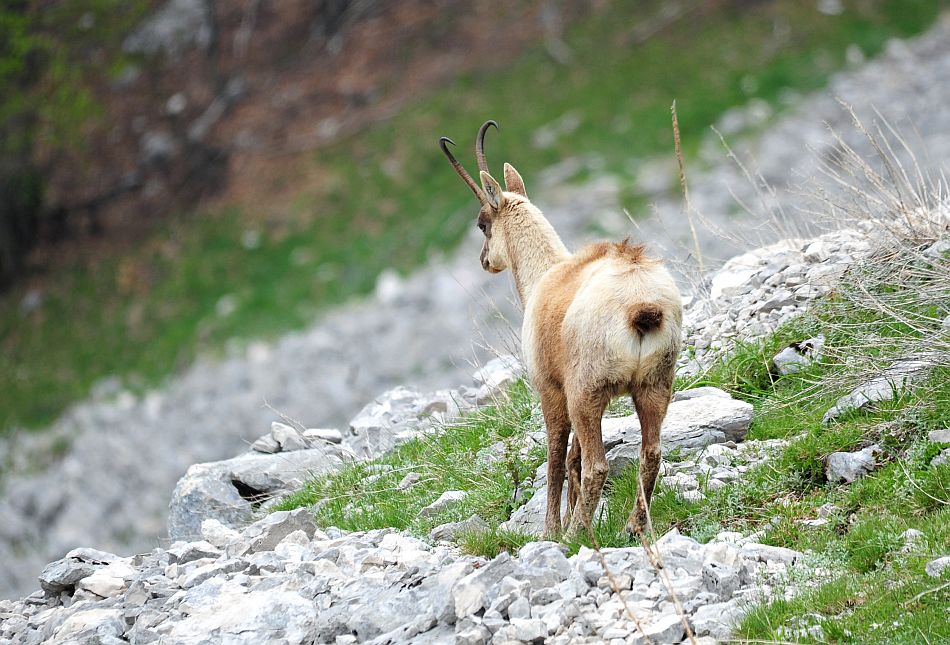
{"x": 533, "y": 248}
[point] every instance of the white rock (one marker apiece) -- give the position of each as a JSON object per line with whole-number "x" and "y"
{"x": 92, "y": 625}
{"x": 332, "y": 435}
{"x": 936, "y": 568}
{"x": 817, "y": 251}
{"x": 450, "y": 530}
{"x": 690, "y": 424}
{"x": 448, "y": 499}
{"x": 705, "y": 390}
{"x": 939, "y": 436}
{"x": 529, "y": 629}
{"x": 288, "y": 437}
{"x": 899, "y": 376}
{"x": 471, "y": 592}
{"x": 848, "y": 466}
{"x": 499, "y": 373}
{"x": 769, "y": 553}
{"x": 109, "y": 581}
{"x": 217, "y": 533}
{"x": 716, "y": 620}
{"x": 665, "y": 628}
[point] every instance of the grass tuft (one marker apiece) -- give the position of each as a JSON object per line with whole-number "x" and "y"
{"x": 488, "y": 455}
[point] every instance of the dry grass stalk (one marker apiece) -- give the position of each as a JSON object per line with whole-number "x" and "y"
{"x": 682, "y": 173}
{"x": 613, "y": 582}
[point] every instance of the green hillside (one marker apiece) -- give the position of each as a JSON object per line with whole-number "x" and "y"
{"x": 388, "y": 199}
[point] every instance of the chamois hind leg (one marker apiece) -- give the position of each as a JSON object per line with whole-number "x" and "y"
{"x": 558, "y": 424}
{"x": 573, "y": 478}
{"x": 586, "y": 412}
{"x": 651, "y": 403}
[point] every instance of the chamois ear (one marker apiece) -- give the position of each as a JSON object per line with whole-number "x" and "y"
{"x": 492, "y": 191}
{"x": 513, "y": 181}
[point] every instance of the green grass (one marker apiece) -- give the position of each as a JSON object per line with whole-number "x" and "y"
{"x": 147, "y": 313}
{"x": 873, "y": 587}
{"x": 364, "y": 496}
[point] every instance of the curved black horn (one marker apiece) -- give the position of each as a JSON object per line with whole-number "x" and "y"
{"x": 480, "y": 144}
{"x": 459, "y": 169}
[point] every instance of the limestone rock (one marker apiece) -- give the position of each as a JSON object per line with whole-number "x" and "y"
{"x": 899, "y": 376}
{"x": 716, "y": 620}
{"x": 397, "y": 415}
{"x": 690, "y": 424}
{"x": 474, "y": 591}
{"x": 696, "y": 392}
{"x": 498, "y": 373}
{"x": 936, "y": 568}
{"x": 448, "y": 499}
{"x": 63, "y": 575}
{"x": 450, "y": 530}
{"x": 331, "y": 435}
{"x": 267, "y": 533}
{"x": 848, "y": 466}
{"x": 230, "y": 491}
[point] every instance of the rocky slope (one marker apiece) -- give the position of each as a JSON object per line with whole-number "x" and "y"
{"x": 283, "y": 579}
{"x": 71, "y": 486}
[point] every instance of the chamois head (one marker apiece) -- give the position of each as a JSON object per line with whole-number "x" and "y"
{"x": 493, "y": 201}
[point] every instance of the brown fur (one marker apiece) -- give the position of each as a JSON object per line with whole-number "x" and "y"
{"x": 645, "y": 318}
{"x": 602, "y": 322}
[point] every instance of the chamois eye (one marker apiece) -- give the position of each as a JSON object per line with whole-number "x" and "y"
{"x": 482, "y": 227}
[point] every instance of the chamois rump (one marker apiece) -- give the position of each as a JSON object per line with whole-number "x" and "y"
{"x": 598, "y": 323}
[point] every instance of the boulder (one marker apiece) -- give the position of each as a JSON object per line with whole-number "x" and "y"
{"x": 690, "y": 424}
{"x": 267, "y": 533}
{"x": 230, "y": 491}
{"x": 235, "y": 615}
{"x": 899, "y": 376}
{"x": 474, "y": 591}
{"x": 696, "y": 392}
{"x": 499, "y": 373}
{"x": 716, "y": 620}
{"x": 848, "y": 466}
{"x": 331, "y": 435}
{"x": 936, "y": 568}
{"x": 64, "y": 574}
{"x": 398, "y": 415}
{"x": 447, "y": 500}
{"x": 450, "y": 531}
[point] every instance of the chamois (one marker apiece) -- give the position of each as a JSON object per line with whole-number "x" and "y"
{"x": 599, "y": 323}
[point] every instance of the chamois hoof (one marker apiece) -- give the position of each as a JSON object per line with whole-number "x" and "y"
{"x": 636, "y": 527}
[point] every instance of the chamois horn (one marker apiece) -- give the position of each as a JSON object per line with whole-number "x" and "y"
{"x": 467, "y": 178}
{"x": 480, "y": 144}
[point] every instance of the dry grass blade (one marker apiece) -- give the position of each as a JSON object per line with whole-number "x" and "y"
{"x": 613, "y": 581}
{"x": 656, "y": 558}
{"x": 682, "y": 173}
{"x": 927, "y": 593}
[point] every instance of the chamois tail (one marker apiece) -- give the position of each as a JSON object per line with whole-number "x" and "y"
{"x": 646, "y": 317}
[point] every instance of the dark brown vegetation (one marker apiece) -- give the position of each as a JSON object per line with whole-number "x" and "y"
{"x": 115, "y": 136}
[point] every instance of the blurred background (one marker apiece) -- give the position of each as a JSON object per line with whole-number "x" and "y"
{"x": 206, "y": 206}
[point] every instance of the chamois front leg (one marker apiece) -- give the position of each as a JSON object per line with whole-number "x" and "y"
{"x": 558, "y": 424}
{"x": 586, "y": 412}
{"x": 651, "y": 404}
